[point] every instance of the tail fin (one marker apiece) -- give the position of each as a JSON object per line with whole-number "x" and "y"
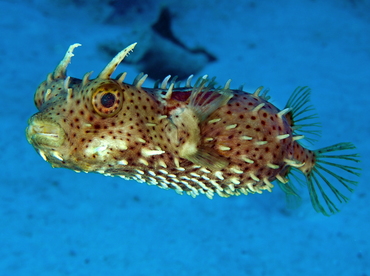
{"x": 325, "y": 170}
{"x": 327, "y": 166}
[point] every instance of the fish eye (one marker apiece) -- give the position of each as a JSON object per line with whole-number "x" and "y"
{"x": 107, "y": 99}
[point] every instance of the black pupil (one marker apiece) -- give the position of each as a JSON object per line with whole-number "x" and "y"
{"x": 108, "y": 100}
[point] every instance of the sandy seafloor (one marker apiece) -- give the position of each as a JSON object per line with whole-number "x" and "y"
{"x": 58, "y": 222}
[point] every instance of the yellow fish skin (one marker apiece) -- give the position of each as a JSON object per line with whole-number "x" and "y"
{"x": 199, "y": 139}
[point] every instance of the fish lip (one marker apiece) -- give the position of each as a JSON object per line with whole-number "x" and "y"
{"x": 43, "y": 133}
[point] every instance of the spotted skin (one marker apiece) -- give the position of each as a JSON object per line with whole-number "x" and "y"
{"x": 193, "y": 139}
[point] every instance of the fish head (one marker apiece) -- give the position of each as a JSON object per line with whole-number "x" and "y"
{"x": 84, "y": 124}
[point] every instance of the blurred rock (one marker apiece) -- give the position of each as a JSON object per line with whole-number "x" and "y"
{"x": 160, "y": 53}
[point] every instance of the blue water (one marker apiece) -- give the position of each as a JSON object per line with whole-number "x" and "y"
{"x": 58, "y": 222}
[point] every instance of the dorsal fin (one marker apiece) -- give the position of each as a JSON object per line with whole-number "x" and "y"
{"x": 301, "y": 112}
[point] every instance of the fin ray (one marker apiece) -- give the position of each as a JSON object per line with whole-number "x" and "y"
{"x": 301, "y": 111}
{"x": 208, "y": 159}
{"x": 323, "y": 170}
{"x": 204, "y": 101}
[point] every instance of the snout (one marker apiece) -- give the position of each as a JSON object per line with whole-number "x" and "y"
{"x": 43, "y": 133}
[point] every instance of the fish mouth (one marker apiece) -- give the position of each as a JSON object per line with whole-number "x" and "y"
{"x": 43, "y": 133}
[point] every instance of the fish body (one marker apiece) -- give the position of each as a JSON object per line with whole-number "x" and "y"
{"x": 195, "y": 139}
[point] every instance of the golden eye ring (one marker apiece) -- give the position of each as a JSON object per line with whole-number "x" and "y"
{"x": 107, "y": 99}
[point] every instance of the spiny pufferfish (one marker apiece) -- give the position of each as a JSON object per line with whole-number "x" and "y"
{"x": 194, "y": 139}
